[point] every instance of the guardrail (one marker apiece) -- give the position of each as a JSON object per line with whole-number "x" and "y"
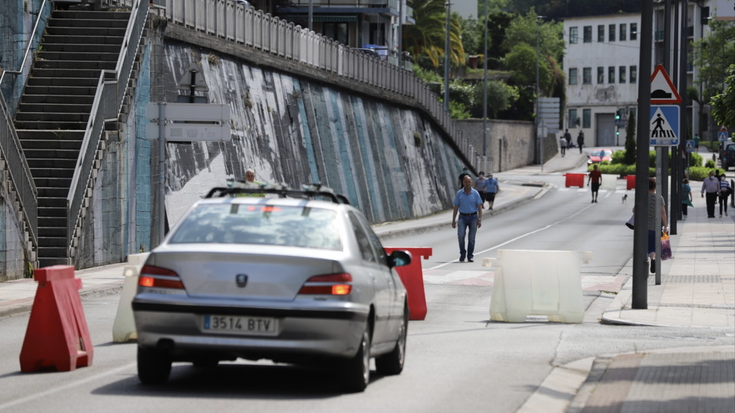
{"x": 108, "y": 101}
{"x": 252, "y": 28}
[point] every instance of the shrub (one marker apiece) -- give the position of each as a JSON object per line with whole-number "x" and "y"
{"x": 695, "y": 159}
{"x": 709, "y": 164}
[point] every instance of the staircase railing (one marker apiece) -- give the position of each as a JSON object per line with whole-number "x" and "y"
{"x": 12, "y": 152}
{"x": 106, "y": 107}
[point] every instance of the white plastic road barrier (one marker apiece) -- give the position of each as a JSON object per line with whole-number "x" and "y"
{"x": 537, "y": 283}
{"x": 123, "y": 329}
{"x": 609, "y": 182}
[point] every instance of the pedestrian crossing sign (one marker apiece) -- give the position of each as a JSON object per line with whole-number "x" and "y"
{"x": 664, "y": 125}
{"x": 690, "y": 146}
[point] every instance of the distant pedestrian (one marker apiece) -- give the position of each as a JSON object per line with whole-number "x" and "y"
{"x": 580, "y": 140}
{"x": 568, "y": 137}
{"x": 686, "y": 197}
{"x": 480, "y": 184}
{"x": 725, "y": 191}
{"x": 467, "y": 203}
{"x": 465, "y": 172}
{"x": 492, "y": 187}
{"x": 696, "y": 141}
{"x": 595, "y": 176}
{"x": 711, "y": 186}
{"x": 651, "y": 223}
{"x": 563, "y": 146}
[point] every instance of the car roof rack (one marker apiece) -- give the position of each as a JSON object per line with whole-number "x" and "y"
{"x": 312, "y": 191}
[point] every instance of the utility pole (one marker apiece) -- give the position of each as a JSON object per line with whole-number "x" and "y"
{"x": 446, "y": 58}
{"x": 484, "y": 91}
{"x": 640, "y": 236}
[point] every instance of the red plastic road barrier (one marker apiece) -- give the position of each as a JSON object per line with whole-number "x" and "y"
{"x": 413, "y": 278}
{"x": 57, "y": 334}
{"x": 575, "y": 180}
{"x": 630, "y": 182}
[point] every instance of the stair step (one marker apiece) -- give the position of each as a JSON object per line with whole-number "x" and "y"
{"x": 44, "y": 202}
{"x": 87, "y": 31}
{"x": 59, "y": 232}
{"x": 89, "y": 14}
{"x": 52, "y": 177}
{"x": 52, "y": 243}
{"x": 71, "y": 100}
{"x": 44, "y": 261}
{"x": 52, "y": 135}
{"x": 52, "y": 163}
{"x": 51, "y": 212}
{"x": 79, "y": 56}
{"x": 49, "y": 145}
{"x": 51, "y": 153}
{"x": 49, "y": 40}
{"x": 88, "y": 21}
{"x": 63, "y": 81}
{"x": 52, "y": 116}
{"x": 71, "y": 64}
{"x": 51, "y": 222}
{"x": 61, "y": 192}
{"x": 61, "y": 90}
{"x": 50, "y": 124}
{"x": 58, "y": 108}
{"x": 42, "y": 72}
{"x": 68, "y": 47}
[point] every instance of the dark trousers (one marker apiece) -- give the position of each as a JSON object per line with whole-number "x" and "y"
{"x": 711, "y": 200}
{"x": 723, "y": 203}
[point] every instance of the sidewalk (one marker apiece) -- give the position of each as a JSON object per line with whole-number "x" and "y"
{"x": 697, "y": 290}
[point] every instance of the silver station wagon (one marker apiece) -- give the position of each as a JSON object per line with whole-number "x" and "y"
{"x": 292, "y": 276}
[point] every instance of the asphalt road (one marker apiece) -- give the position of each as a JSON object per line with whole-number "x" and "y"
{"x": 457, "y": 360}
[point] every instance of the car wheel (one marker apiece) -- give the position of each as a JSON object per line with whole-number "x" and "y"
{"x": 392, "y": 363}
{"x": 154, "y": 366}
{"x": 356, "y": 371}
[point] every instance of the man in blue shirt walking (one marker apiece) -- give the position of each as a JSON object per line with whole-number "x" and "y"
{"x": 468, "y": 204}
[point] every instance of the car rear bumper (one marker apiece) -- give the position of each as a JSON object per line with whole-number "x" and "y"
{"x": 333, "y": 332}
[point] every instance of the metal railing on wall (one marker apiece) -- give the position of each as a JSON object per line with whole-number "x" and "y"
{"x": 250, "y": 27}
{"x": 108, "y": 101}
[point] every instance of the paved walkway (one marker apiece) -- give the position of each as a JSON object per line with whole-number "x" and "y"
{"x": 697, "y": 290}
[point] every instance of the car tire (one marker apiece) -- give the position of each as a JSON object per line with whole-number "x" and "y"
{"x": 154, "y": 366}
{"x": 356, "y": 371}
{"x": 392, "y": 363}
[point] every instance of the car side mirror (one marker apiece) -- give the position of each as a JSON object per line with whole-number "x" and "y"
{"x": 399, "y": 259}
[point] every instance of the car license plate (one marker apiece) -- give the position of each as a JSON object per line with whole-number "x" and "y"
{"x": 265, "y": 326}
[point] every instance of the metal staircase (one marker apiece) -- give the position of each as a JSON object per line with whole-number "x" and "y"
{"x": 55, "y": 108}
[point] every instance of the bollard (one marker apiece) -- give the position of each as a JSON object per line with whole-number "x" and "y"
{"x": 412, "y": 277}
{"x": 57, "y": 335}
{"x": 123, "y": 329}
{"x": 630, "y": 182}
{"x": 574, "y": 180}
{"x": 537, "y": 283}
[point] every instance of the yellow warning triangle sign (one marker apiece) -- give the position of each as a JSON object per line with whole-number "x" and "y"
{"x": 663, "y": 91}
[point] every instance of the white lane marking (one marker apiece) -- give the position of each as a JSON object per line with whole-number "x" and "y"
{"x": 518, "y": 237}
{"x": 66, "y": 386}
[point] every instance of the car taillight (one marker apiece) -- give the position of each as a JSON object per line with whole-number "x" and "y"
{"x": 151, "y": 276}
{"x": 330, "y": 284}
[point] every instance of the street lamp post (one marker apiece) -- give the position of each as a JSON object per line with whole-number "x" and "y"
{"x": 538, "y": 59}
{"x": 484, "y": 90}
{"x": 446, "y": 58}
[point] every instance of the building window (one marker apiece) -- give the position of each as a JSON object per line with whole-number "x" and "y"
{"x": 573, "y": 35}
{"x": 601, "y": 33}
{"x": 611, "y": 33}
{"x": 586, "y": 118}
{"x": 588, "y": 34}
{"x": 611, "y": 74}
{"x": 587, "y": 75}
{"x": 633, "y": 74}
{"x": 634, "y": 31}
{"x": 573, "y": 76}
{"x": 621, "y": 74}
{"x": 573, "y": 119}
{"x": 623, "y": 34}
{"x": 600, "y": 75}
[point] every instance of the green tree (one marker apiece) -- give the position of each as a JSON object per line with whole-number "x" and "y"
{"x": 723, "y": 105}
{"x": 500, "y": 97}
{"x": 630, "y": 139}
{"x": 427, "y": 36}
{"x": 713, "y": 55}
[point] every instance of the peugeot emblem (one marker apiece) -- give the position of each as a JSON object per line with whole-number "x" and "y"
{"x": 241, "y": 280}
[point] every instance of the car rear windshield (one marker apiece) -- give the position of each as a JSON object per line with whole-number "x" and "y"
{"x": 291, "y": 226}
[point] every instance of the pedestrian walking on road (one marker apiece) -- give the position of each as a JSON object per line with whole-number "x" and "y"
{"x": 595, "y": 176}
{"x": 492, "y": 187}
{"x": 711, "y": 186}
{"x": 568, "y": 137}
{"x": 563, "y": 146}
{"x": 580, "y": 140}
{"x": 686, "y": 197}
{"x": 696, "y": 141}
{"x": 480, "y": 186}
{"x": 651, "y": 223}
{"x": 467, "y": 204}
{"x": 725, "y": 191}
